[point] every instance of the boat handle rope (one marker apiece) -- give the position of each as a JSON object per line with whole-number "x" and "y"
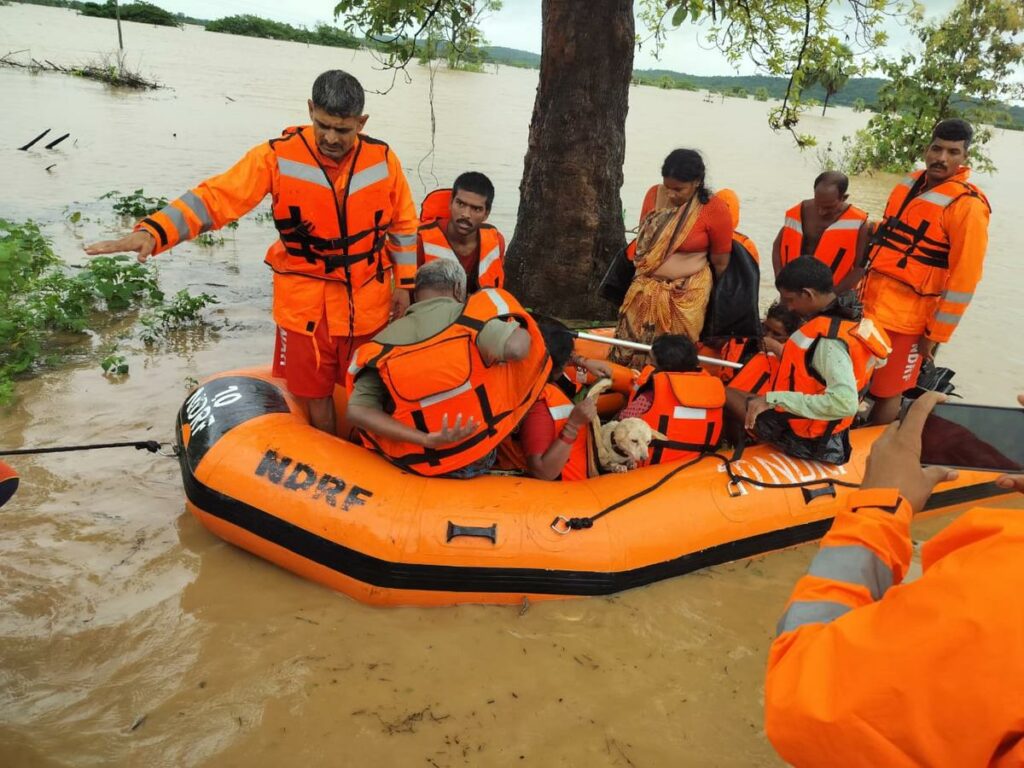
{"x": 564, "y": 525}
{"x": 153, "y": 446}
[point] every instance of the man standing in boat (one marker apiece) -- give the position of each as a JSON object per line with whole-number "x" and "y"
{"x": 345, "y": 258}
{"x": 826, "y": 227}
{"x": 925, "y": 261}
{"x": 460, "y": 231}
{"x": 437, "y": 390}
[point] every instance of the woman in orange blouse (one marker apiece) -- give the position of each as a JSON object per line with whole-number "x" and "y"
{"x": 677, "y": 247}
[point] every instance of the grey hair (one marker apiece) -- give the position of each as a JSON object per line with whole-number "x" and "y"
{"x": 339, "y": 94}
{"x": 443, "y": 275}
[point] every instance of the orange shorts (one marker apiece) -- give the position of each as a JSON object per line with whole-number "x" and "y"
{"x": 312, "y": 365}
{"x": 901, "y": 369}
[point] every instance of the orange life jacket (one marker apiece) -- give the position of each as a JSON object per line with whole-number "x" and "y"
{"x": 445, "y": 374}
{"x": 910, "y": 245}
{"x": 322, "y": 235}
{"x": 837, "y": 246}
{"x": 687, "y": 409}
{"x": 747, "y": 243}
{"x": 491, "y": 268}
{"x": 560, "y": 406}
{"x": 732, "y": 351}
{"x": 756, "y": 376}
{"x": 867, "y": 344}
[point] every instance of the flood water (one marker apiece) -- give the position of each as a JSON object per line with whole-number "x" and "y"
{"x": 131, "y": 636}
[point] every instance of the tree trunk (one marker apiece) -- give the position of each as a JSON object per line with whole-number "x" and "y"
{"x": 825, "y": 105}
{"x": 570, "y": 214}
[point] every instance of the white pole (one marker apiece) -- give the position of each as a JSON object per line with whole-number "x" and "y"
{"x": 646, "y": 348}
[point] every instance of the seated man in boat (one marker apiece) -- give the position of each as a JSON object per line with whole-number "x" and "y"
{"x": 438, "y": 389}
{"x": 825, "y": 366}
{"x": 454, "y": 227}
{"x": 826, "y": 227}
{"x": 677, "y": 398}
{"x": 554, "y": 436}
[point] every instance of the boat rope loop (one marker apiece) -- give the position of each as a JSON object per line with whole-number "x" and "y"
{"x": 153, "y": 446}
{"x": 564, "y": 525}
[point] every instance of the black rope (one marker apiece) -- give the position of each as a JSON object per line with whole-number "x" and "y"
{"x": 582, "y": 523}
{"x": 153, "y": 446}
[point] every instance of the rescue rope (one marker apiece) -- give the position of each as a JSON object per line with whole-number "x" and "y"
{"x": 564, "y": 525}
{"x": 153, "y": 446}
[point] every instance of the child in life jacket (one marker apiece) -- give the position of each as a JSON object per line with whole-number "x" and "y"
{"x": 679, "y": 400}
{"x": 760, "y": 357}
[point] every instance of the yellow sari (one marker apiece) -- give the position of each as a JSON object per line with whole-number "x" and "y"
{"x": 654, "y": 306}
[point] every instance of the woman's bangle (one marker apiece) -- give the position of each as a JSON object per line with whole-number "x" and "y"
{"x": 567, "y": 438}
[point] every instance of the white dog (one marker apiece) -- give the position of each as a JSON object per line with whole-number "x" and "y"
{"x": 621, "y": 445}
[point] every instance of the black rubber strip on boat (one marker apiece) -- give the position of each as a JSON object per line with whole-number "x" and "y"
{"x": 446, "y": 578}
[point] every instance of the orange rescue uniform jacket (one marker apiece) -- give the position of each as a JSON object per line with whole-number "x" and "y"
{"x": 560, "y": 406}
{"x": 432, "y": 243}
{"x": 837, "y": 246}
{"x": 347, "y": 228}
{"x": 866, "y": 671}
{"x": 926, "y": 257}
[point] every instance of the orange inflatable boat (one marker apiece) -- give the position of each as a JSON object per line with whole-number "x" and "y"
{"x": 259, "y": 476}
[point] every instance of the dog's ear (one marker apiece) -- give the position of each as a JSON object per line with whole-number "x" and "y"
{"x": 657, "y": 435}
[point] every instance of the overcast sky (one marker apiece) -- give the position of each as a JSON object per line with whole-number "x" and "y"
{"x": 518, "y": 25}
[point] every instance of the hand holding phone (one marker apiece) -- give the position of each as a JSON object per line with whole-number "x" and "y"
{"x": 979, "y": 437}
{"x": 895, "y": 459}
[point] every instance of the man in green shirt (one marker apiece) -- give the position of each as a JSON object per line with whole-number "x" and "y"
{"x": 815, "y": 394}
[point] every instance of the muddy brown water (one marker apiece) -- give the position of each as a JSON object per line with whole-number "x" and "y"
{"x": 130, "y": 636}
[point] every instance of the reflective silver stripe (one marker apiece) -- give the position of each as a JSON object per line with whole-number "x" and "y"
{"x": 439, "y": 251}
{"x": 368, "y": 176}
{"x": 404, "y": 258}
{"x": 958, "y": 297}
{"x": 794, "y": 224}
{"x": 936, "y": 197}
{"x": 847, "y": 224}
{"x": 489, "y": 259}
{"x": 809, "y": 612}
{"x": 194, "y": 203}
{"x": 499, "y": 303}
{"x": 440, "y": 397}
{"x": 682, "y": 412}
{"x": 908, "y": 181}
{"x": 302, "y": 172}
{"x": 354, "y": 368}
{"x": 853, "y": 564}
{"x": 178, "y": 220}
{"x": 947, "y": 317}
{"x": 401, "y": 241}
{"x": 560, "y": 412}
{"x": 801, "y": 340}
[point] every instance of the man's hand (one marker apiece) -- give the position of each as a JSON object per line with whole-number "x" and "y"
{"x": 583, "y": 412}
{"x": 773, "y": 346}
{"x": 140, "y": 241}
{"x": 755, "y": 407}
{"x": 600, "y": 369}
{"x": 1012, "y": 482}
{"x": 400, "y": 301}
{"x": 895, "y": 459}
{"x": 456, "y": 433}
{"x": 928, "y": 348}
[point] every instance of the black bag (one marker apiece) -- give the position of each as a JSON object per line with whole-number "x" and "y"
{"x": 617, "y": 279}
{"x": 733, "y": 310}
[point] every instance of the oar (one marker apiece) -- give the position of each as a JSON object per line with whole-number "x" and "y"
{"x": 646, "y": 348}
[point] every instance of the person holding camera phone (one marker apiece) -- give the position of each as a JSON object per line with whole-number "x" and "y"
{"x": 868, "y": 671}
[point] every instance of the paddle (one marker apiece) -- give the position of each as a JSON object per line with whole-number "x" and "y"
{"x": 646, "y": 347}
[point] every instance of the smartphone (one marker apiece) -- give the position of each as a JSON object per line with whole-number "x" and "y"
{"x": 981, "y": 437}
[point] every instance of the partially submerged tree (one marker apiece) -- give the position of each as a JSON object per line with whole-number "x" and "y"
{"x": 968, "y": 64}
{"x": 832, "y": 70}
{"x": 570, "y": 223}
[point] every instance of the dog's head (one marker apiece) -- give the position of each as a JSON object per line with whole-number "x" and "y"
{"x": 632, "y": 438}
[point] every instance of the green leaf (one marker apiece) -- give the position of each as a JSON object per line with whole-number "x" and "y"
{"x": 680, "y": 15}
